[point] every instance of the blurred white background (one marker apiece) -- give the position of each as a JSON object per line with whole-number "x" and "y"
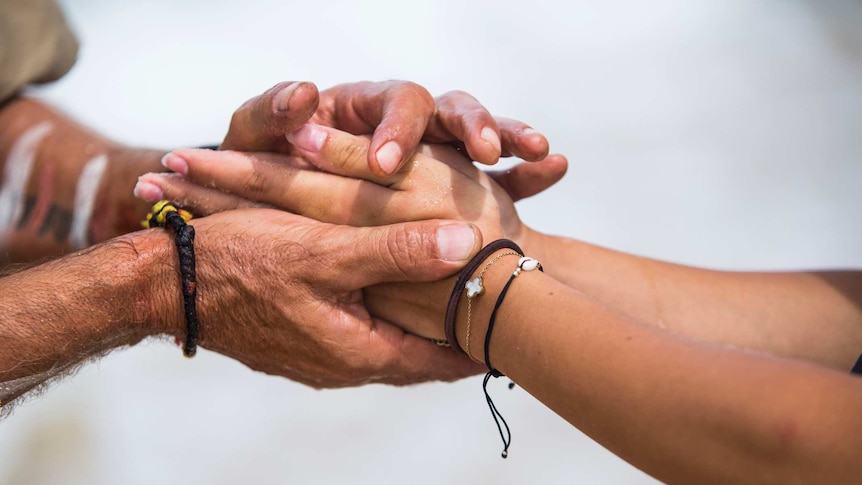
{"x": 721, "y": 133}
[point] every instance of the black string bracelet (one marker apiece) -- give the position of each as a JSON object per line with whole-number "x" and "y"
{"x": 857, "y": 367}
{"x": 524, "y": 264}
{"x": 165, "y": 214}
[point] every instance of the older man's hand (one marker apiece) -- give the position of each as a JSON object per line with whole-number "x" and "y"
{"x": 283, "y": 294}
{"x": 400, "y": 114}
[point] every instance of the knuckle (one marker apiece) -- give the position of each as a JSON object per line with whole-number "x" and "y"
{"x": 237, "y": 117}
{"x": 173, "y": 190}
{"x": 406, "y": 249}
{"x": 241, "y": 114}
{"x": 445, "y": 100}
{"x": 256, "y": 184}
{"x": 245, "y": 113}
{"x": 455, "y": 96}
{"x": 238, "y": 134}
{"x": 419, "y": 93}
{"x": 349, "y": 153}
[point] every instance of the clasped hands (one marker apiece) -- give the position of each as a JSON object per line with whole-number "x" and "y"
{"x": 327, "y": 257}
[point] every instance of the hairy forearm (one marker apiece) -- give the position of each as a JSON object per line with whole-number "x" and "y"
{"x": 76, "y": 308}
{"x": 63, "y": 186}
{"x": 682, "y": 410}
{"x": 816, "y": 316}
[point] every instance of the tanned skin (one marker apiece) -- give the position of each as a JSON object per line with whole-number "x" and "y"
{"x": 692, "y": 375}
{"x": 278, "y": 292}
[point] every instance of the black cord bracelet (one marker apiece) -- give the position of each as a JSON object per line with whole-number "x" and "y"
{"x": 165, "y": 214}
{"x": 524, "y": 264}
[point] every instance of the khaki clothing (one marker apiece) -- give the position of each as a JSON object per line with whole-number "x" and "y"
{"x": 36, "y": 45}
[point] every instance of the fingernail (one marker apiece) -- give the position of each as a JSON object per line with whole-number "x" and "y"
{"x": 146, "y": 190}
{"x": 388, "y": 157}
{"x": 175, "y": 163}
{"x": 455, "y": 241}
{"x": 529, "y": 131}
{"x": 308, "y": 137}
{"x": 281, "y": 101}
{"x": 490, "y": 136}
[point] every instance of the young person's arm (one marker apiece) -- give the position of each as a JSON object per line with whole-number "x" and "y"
{"x": 810, "y": 315}
{"x": 684, "y": 411}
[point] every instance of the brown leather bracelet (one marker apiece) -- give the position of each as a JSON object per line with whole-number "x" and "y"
{"x": 466, "y": 273}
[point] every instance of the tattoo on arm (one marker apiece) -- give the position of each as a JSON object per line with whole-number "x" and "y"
{"x": 56, "y": 222}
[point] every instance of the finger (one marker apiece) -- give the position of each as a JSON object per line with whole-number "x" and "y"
{"x": 408, "y": 359}
{"x": 286, "y": 183}
{"x": 460, "y": 116}
{"x": 522, "y": 141}
{"x": 337, "y": 152}
{"x": 396, "y": 303}
{"x": 200, "y": 201}
{"x": 261, "y": 122}
{"x": 528, "y": 179}
{"x": 396, "y": 111}
{"x": 413, "y": 251}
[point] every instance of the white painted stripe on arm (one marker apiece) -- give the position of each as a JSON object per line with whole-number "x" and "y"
{"x": 85, "y": 199}
{"x": 17, "y": 172}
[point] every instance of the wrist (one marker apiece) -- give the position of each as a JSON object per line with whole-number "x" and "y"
{"x": 157, "y": 306}
{"x": 82, "y": 306}
{"x": 559, "y": 255}
{"x": 533, "y": 243}
{"x": 474, "y": 314}
{"x": 119, "y": 211}
{"x": 79, "y": 306}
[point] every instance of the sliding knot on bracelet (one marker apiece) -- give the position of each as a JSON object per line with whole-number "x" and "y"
{"x": 157, "y": 217}
{"x": 167, "y": 214}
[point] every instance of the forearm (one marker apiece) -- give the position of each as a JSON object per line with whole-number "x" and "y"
{"x": 806, "y": 315}
{"x": 682, "y": 410}
{"x": 78, "y": 307}
{"x": 63, "y": 187}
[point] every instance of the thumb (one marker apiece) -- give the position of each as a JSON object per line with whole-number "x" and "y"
{"x": 412, "y": 251}
{"x": 262, "y": 122}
